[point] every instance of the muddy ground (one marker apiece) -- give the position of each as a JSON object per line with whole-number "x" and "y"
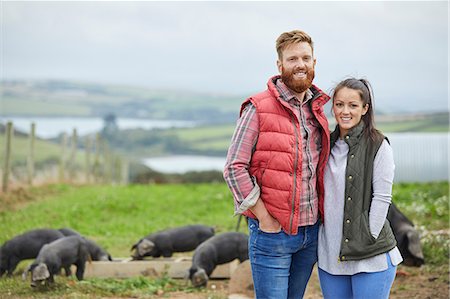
{"x": 413, "y": 283}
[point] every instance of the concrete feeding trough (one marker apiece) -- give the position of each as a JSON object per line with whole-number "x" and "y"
{"x": 174, "y": 267}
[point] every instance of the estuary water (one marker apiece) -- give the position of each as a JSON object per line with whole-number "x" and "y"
{"x": 419, "y": 157}
{"x": 49, "y": 127}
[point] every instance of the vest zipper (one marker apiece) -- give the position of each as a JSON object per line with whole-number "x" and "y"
{"x": 294, "y": 174}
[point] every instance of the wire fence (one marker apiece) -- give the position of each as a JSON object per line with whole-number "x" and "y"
{"x": 100, "y": 164}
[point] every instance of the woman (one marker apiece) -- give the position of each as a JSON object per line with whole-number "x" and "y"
{"x": 357, "y": 249}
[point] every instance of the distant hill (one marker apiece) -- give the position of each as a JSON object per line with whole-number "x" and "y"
{"x": 70, "y": 98}
{"x": 67, "y": 98}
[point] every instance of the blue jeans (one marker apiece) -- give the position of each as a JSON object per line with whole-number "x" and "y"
{"x": 375, "y": 285}
{"x": 281, "y": 264}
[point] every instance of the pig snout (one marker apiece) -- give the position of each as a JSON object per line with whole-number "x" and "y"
{"x": 199, "y": 279}
{"x": 104, "y": 258}
{"x": 40, "y": 273}
{"x": 144, "y": 247}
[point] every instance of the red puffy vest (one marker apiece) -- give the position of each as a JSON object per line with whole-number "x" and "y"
{"x": 277, "y": 161}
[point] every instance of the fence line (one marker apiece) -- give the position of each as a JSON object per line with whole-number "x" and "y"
{"x": 30, "y": 158}
{"x": 420, "y": 157}
{"x": 7, "y": 163}
{"x": 107, "y": 167}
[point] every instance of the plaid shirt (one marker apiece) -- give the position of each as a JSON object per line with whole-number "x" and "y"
{"x": 243, "y": 187}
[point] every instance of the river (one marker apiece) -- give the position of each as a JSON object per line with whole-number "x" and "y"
{"x": 419, "y": 157}
{"x": 49, "y": 127}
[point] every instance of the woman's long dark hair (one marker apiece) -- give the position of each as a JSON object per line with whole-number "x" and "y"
{"x": 363, "y": 87}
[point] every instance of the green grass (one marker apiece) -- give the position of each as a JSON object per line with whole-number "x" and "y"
{"x": 117, "y": 216}
{"x": 427, "y": 205}
{"x": 134, "y": 287}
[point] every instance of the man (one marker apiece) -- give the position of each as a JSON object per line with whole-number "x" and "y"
{"x": 275, "y": 167}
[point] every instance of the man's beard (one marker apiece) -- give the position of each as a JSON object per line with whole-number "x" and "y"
{"x": 297, "y": 85}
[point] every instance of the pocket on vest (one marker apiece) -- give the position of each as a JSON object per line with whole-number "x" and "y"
{"x": 365, "y": 229}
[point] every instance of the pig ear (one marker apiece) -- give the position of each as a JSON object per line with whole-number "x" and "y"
{"x": 145, "y": 247}
{"x": 186, "y": 275}
{"x": 25, "y": 273}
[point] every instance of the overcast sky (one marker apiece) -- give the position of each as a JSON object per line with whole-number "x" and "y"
{"x": 229, "y": 47}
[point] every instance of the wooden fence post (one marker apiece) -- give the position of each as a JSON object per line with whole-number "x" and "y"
{"x": 88, "y": 168}
{"x": 30, "y": 160}
{"x": 107, "y": 163}
{"x": 62, "y": 161}
{"x": 73, "y": 154}
{"x": 117, "y": 164}
{"x": 96, "y": 168}
{"x": 7, "y": 165}
{"x": 124, "y": 172}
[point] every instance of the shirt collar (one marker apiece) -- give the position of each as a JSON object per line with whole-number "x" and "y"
{"x": 287, "y": 95}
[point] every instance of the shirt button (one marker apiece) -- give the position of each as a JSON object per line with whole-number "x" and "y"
{"x": 347, "y": 137}
{"x": 352, "y": 156}
{"x": 350, "y": 177}
{"x": 346, "y": 240}
{"x": 349, "y": 198}
{"x": 343, "y": 257}
{"x": 348, "y": 220}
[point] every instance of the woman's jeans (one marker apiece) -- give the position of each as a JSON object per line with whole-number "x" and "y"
{"x": 281, "y": 264}
{"x": 375, "y": 285}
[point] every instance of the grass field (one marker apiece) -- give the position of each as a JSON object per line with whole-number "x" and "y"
{"x": 117, "y": 216}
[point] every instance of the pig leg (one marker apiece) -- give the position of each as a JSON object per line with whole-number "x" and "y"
{"x": 80, "y": 270}
{"x": 50, "y": 280}
{"x": 68, "y": 271}
{"x": 13, "y": 261}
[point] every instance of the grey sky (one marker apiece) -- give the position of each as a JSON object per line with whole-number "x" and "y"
{"x": 229, "y": 47}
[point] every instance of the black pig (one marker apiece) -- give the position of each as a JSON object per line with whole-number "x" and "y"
{"x": 61, "y": 253}
{"x": 408, "y": 239}
{"x": 97, "y": 253}
{"x": 217, "y": 250}
{"x": 165, "y": 243}
{"x": 25, "y": 246}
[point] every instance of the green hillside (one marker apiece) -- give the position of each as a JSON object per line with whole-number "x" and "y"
{"x": 67, "y": 98}
{"x": 214, "y": 139}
